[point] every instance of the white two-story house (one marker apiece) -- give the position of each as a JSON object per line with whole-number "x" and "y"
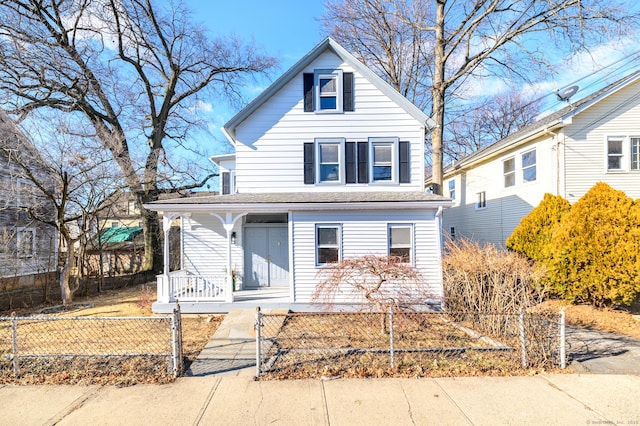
{"x": 593, "y": 139}
{"x": 328, "y": 165}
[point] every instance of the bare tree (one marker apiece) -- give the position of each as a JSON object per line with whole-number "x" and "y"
{"x": 463, "y": 40}
{"x": 71, "y": 180}
{"x": 134, "y": 70}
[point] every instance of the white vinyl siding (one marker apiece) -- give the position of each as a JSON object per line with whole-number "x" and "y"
{"x": 362, "y": 233}
{"x": 205, "y": 246}
{"x": 269, "y": 155}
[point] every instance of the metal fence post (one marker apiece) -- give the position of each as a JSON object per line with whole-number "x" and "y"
{"x": 258, "y": 326}
{"x": 522, "y": 338}
{"x": 391, "y": 354}
{"x": 563, "y": 340}
{"x": 176, "y": 341}
{"x": 14, "y": 343}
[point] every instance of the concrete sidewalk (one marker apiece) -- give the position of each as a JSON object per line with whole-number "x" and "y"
{"x": 571, "y": 399}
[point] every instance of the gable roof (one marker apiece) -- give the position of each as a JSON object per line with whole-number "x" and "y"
{"x": 333, "y": 46}
{"x": 548, "y": 123}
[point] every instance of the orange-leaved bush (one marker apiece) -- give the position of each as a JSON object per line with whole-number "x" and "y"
{"x": 595, "y": 253}
{"x": 532, "y": 236}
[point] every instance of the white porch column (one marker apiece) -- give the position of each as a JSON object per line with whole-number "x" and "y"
{"x": 228, "y": 223}
{"x": 165, "y": 293}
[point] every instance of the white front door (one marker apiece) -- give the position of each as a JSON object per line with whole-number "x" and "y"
{"x": 266, "y": 256}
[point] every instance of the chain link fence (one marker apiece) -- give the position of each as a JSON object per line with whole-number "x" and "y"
{"x": 42, "y": 346}
{"x": 409, "y": 344}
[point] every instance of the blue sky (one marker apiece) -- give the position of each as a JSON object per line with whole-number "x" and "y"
{"x": 285, "y": 29}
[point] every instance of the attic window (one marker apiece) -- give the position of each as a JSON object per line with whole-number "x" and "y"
{"x": 328, "y": 91}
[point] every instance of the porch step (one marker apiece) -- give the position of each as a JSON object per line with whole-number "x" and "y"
{"x": 232, "y": 349}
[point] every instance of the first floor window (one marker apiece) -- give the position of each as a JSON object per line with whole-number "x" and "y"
{"x": 401, "y": 242}
{"x": 482, "y": 200}
{"x": 114, "y": 224}
{"x": 327, "y": 244}
{"x": 509, "y": 170}
{"x": 529, "y": 166}
{"x": 635, "y": 153}
{"x": 614, "y": 153}
{"x": 26, "y": 240}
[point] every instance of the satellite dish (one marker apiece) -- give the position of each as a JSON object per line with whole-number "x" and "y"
{"x": 566, "y": 93}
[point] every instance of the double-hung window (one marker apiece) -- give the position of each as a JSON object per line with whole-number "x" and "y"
{"x": 26, "y": 242}
{"x": 509, "y": 171}
{"x": 330, "y": 158}
{"x": 328, "y": 91}
{"x": 401, "y": 242}
{"x": 327, "y": 244}
{"x": 452, "y": 189}
{"x": 614, "y": 153}
{"x": 529, "y": 166}
{"x": 635, "y": 153}
{"x": 384, "y": 159}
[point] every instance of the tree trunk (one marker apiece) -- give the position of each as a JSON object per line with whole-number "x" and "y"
{"x": 437, "y": 94}
{"x": 66, "y": 292}
{"x": 152, "y": 241}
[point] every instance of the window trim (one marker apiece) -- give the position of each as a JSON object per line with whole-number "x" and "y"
{"x": 337, "y": 76}
{"x": 633, "y": 160}
{"x": 534, "y": 166}
{"x": 337, "y": 246}
{"x": 318, "y": 160}
{"x": 481, "y": 200}
{"x": 452, "y": 188}
{"x": 509, "y": 173}
{"x": 628, "y": 164}
{"x": 394, "y": 143}
{"x": 410, "y": 246}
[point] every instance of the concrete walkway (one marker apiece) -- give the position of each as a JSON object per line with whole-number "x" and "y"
{"x": 232, "y": 349}
{"x": 566, "y": 399}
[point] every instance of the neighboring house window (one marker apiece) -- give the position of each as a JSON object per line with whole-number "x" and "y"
{"x": 329, "y": 155}
{"x": 509, "y": 170}
{"x": 132, "y": 208}
{"x": 401, "y": 242}
{"x": 635, "y": 153}
{"x": 382, "y": 161}
{"x": 114, "y": 224}
{"x": 140, "y": 224}
{"x": 26, "y": 241}
{"x": 452, "y": 232}
{"x": 452, "y": 189}
{"x": 328, "y": 91}
{"x": 529, "y": 166}
{"x": 482, "y": 200}
{"x": 327, "y": 244}
{"x": 614, "y": 153}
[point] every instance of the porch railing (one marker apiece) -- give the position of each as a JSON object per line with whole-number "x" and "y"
{"x": 182, "y": 286}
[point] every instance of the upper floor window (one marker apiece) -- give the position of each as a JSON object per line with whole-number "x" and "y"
{"x": 328, "y": 91}
{"x": 509, "y": 171}
{"x": 327, "y": 244}
{"x": 529, "y": 166}
{"x": 452, "y": 189}
{"x": 401, "y": 242}
{"x": 482, "y": 200}
{"x": 623, "y": 153}
{"x": 379, "y": 160}
{"x": 228, "y": 182}
{"x": 132, "y": 208}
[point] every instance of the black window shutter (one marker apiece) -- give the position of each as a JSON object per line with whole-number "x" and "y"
{"x": 405, "y": 175}
{"x": 308, "y": 91}
{"x": 363, "y": 162}
{"x": 347, "y": 91}
{"x": 309, "y": 172}
{"x": 350, "y": 162}
{"x": 226, "y": 183}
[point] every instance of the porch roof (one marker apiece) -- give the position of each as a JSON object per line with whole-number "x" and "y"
{"x": 304, "y": 201}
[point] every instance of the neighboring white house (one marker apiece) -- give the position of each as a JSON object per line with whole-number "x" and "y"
{"x": 328, "y": 165}
{"x": 594, "y": 139}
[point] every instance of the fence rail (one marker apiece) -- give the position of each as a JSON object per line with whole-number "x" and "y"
{"x": 411, "y": 343}
{"x": 50, "y": 341}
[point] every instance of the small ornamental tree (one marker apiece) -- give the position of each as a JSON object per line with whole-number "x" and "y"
{"x": 378, "y": 281}
{"x": 533, "y": 235}
{"x": 595, "y": 254}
